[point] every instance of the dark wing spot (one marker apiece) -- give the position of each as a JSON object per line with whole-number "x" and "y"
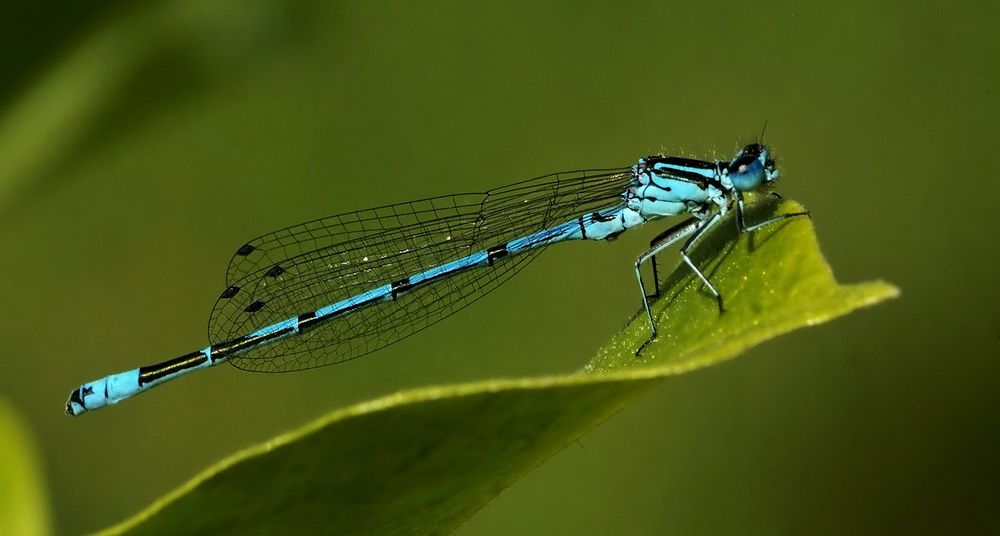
{"x": 229, "y": 292}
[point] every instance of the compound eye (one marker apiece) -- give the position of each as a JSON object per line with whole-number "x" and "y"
{"x": 746, "y": 173}
{"x": 743, "y": 165}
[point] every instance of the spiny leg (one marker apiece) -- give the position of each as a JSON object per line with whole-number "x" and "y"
{"x": 696, "y": 228}
{"x": 645, "y": 304}
{"x": 661, "y": 242}
{"x": 707, "y": 224}
{"x": 742, "y": 225}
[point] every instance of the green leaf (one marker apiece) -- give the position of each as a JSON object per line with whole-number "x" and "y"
{"x": 23, "y": 506}
{"x": 424, "y": 460}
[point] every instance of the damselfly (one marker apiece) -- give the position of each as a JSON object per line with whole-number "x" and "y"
{"x": 335, "y": 289}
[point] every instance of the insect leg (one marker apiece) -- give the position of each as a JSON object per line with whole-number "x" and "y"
{"x": 661, "y": 242}
{"x": 705, "y": 226}
{"x": 744, "y": 228}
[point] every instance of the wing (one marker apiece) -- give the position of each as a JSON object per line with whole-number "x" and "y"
{"x": 352, "y": 227}
{"x": 311, "y": 265}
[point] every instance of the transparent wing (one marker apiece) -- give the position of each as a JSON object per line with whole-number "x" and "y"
{"x": 352, "y": 227}
{"x": 304, "y": 267}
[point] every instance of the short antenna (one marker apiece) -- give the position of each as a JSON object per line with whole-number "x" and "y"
{"x": 761, "y": 139}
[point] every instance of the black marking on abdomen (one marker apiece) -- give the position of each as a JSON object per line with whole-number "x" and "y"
{"x": 583, "y": 228}
{"x": 245, "y": 250}
{"x": 601, "y": 218}
{"x": 167, "y": 368}
{"x": 496, "y": 252}
{"x": 406, "y": 284}
{"x": 309, "y": 321}
{"x": 242, "y": 344}
{"x": 257, "y": 305}
{"x": 75, "y": 397}
{"x": 401, "y": 286}
{"x": 229, "y": 292}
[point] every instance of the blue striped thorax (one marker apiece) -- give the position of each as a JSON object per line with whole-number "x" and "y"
{"x": 670, "y": 185}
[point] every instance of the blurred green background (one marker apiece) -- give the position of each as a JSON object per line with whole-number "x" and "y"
{"x": 140, "y": 145}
